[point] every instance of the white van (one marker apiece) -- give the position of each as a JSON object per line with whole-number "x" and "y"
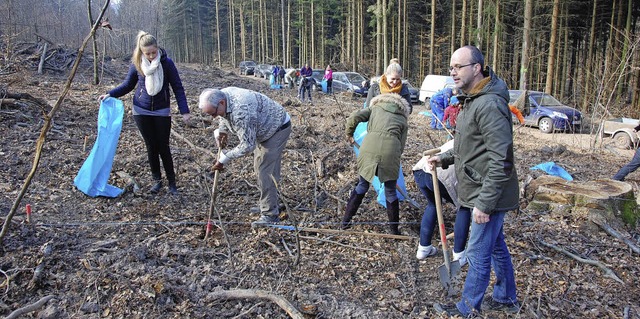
{"x": 433, "y": 83}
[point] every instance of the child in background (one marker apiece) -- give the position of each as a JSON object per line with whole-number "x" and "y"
{"x": 451, "y": 112}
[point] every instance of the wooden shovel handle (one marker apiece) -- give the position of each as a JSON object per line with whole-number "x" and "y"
{"x": 443, "y": 233}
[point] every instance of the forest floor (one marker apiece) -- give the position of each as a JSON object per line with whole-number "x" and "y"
{"x": 143, "y": 256}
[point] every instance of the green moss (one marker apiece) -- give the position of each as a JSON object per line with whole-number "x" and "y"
{"x": 629, "y": 210}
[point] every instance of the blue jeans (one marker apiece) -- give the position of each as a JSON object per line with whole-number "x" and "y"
{"x": 487, "y": 249}
{"x": 629, "y": 168}
{"x": 424, "y": 181}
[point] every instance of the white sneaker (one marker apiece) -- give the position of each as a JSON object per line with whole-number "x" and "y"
{"x": 425, "y": 251}
{"x": 461, "y": 257}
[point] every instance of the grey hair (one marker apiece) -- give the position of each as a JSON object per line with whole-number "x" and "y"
{"x": 212, "y": 96}
{"x": 394, "y": 68}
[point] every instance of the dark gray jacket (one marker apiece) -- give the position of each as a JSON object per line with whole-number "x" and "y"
{"x": 483, "y": 149}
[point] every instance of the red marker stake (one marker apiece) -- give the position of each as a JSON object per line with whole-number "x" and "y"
{"x": 28, "y": 213}
{"x": 209, "y": 225}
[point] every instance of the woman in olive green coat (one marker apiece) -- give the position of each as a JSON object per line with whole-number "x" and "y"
{"x": 381, "y": 148}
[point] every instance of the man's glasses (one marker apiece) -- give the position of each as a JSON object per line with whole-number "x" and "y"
{"x": 458, "y": 67}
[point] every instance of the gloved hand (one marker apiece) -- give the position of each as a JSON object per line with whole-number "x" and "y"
{"x": 221, "y": 138}
{"x": 350, "y": 140}
{"x": 218, "y": 166}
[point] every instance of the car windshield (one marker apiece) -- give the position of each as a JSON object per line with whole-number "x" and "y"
{"x": 340, "y": 77}
{"x": 546, "y": 100}
{"x": 251, "y": 63}
{"x": 355, "y": 78}
{"x": 407, "y": 84}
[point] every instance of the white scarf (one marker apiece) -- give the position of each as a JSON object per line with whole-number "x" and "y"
{"x": 154, "y": 76}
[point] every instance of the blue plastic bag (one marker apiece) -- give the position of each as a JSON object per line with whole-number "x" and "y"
{"x": 552, "y": 169}
{"x": 358, "y": 136}
{"x": 94, "y": 174}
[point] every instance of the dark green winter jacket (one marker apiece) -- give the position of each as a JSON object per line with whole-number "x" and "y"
{"x": 386, "y": 135}
{"x": 483, "y": 148}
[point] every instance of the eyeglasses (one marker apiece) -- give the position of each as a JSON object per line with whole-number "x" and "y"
{"x": 458, "y": 67}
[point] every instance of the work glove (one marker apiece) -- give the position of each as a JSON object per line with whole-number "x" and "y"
{"x": 221, "y": 138}
{"x": 218, "y": 166}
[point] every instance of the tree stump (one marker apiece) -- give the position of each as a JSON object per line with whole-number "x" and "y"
{"x": 603, "y": 198}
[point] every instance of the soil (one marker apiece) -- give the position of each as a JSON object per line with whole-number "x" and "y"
{"x": 144, "y": 256}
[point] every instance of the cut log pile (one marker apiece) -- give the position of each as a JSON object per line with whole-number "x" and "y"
{"x": 43, "y": 56}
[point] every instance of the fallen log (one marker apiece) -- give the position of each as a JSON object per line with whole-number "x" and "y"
{"x": 258, "y": 294}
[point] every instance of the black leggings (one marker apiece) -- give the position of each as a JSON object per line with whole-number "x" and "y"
{"x": 155, "y": 131}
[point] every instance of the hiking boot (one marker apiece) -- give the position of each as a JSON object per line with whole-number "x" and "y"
{"x": 451, "y": 310}
{"x": 173, "y": 190}
{"x": 425, "y": 251}
{"x": 461, "y": 257}
{"x": 393, "y": 213}
{"x": 510, "y": 307}
{"x": 156, "y": 187}
{"x": 265, "y": 220}
{"x": 352, "y": 207}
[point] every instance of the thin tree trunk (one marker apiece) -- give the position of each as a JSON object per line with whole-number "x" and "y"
{"x": 479, "y": 26}
{"x": 218, "y": 35}
{"x": 385, "y": 34}
{"x": 463, "y": 24}
{"x": 94, "y": 46}
{"x": 453, "y": 27}
{"x": 590, "y": 50}
{"x": 284, "y": 47}
{"x": 526, "y": 31}
{"x": 432, "y": 36}
{"x": 496, "y": 36}
{"x": 379, "y": 37}
{"x": 552, "y": 47}
{"x": 312, "y": 33}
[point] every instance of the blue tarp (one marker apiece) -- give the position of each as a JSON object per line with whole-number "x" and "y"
{"x": 552, "y": 169}
{"x": 358, "y": 136}
{"x": 94, "y": 174}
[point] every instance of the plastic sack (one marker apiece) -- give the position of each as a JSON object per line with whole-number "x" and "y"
{"x": 358, "y": 136}
{"x": 94, "y": 174}
{"x": 552, "y": 169}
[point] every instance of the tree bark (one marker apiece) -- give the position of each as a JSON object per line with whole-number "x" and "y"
{"x": 552, "y": 47}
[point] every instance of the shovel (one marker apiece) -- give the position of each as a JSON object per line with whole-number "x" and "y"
{"x": 449, "y": 269}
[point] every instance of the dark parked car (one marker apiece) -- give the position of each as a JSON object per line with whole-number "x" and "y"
{"x": 247, "y": 67}
{"x": 349, "y": 82}
{"x": 264, "y": 70}
{"x": 415, "y": 93}
{"x": 547, "y": 113}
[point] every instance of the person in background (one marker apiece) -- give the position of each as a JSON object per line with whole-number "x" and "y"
{"x": 447, "y": 182}
{"x": 263, "y": 127}
{"x": 281, "y": 74}
{"x": 275, "y": 72}
{"x": 154, "y": 72}
{"x": 380, "y": 150}
{"x": 438, "y": 102}
{"x": 631, "y": 166}
{"x": 487, "y": 183}
{"x": 451, "y": 112}
{"x": 291, "y": 76}
{"x": 306, "y": 81}
{"x": 328, "y": 76}
{"x": 390, "y": 82}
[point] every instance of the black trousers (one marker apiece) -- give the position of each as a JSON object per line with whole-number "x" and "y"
{"x": 155, "y": 131}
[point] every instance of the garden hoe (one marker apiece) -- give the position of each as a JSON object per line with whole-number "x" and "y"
{"x": 449, "y": 269}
